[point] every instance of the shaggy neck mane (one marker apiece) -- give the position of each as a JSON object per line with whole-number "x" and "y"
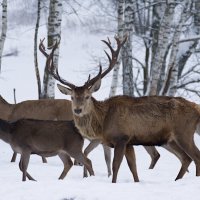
{"x": 91, "y": 125}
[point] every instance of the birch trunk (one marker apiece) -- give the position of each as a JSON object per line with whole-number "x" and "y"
{"x": 3, "y": 29}
{"x": 195, "y": 29}
{"x": 169, "y": 86}
{"x": 54, "y": 33}
{"x": 37, "y": 73}
{"x": 158, "y": 58}
{"x": 120, "y": 29}
{"x": 126, "y": 50}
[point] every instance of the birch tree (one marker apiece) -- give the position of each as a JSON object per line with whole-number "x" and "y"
{"x": 120, "y": 30}
{"x": 3, "y": 29}
{"x": 126, "y": 51}
{"x": 171, "y": 80}
{"x": 164, "y": 35}
{"x": 170, "y": 34}
{"x": 54, "y": 33}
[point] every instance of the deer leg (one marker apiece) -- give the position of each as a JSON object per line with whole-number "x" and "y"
{"x": 131, "y": 160}
{"x": 93, "y": 144}
{"x": 119, "y": 151}
{"x": 24, "y": 165}
{"x": 151, "y": 150}
{"x": 44, "y": 160}
{"x": 107, "y": 155}
{"x": 14, "y": 156}
{"x": 80, "y": 157}
{"x": 189, "y": 147}
{"x": 27, "y": 174}
{"x": 67, "y": 164}
{"x": 181, "y": 155}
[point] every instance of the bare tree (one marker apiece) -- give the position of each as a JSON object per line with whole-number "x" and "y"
{"x": 37, "y": 73}
{"x": 169, "y": 31}
{"x": 120, "y": 31}
{"x": 54, "y": 34}
{"x": 3, "y": 29}
{"x": 127, "y": 48}
{"x": 164, "y": 34}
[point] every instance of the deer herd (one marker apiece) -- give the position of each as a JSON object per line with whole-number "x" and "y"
{"x": 50, "y": 127}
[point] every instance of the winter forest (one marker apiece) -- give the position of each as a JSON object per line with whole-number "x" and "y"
{"x": 145, "y": 48}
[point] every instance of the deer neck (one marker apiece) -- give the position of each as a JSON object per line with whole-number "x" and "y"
{"x": 91, "y": 124}
{"x": 5, "y": 131}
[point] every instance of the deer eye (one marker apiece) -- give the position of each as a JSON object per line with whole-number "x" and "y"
{"x": 87, "y": 97}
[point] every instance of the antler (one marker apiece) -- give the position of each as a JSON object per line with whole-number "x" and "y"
{"x": 53, "y": 70}
{"x": 112, "y": 60}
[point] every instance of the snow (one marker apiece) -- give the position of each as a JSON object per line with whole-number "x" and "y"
{"x": 76, "y": 62}
{"x": 154, "y": 184}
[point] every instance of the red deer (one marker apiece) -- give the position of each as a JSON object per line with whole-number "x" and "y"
{"x": 154, "y": 154}
{"x": 45, "y": 138}
{"x": 46, "y": 109}
{"x": 123, "y": 121}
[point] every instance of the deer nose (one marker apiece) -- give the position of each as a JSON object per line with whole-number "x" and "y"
{"x": 77, "y": 111}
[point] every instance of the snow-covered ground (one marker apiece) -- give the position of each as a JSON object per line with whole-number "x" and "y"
{"x": 154, "y": 184}
{"x": 75, "y": 64}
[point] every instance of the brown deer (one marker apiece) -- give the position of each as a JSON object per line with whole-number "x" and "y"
{"x": 123, "y": 121}
{"x": 46, "y": 109}
{"x": 45, "y": 138}
{"x": 153, "y": 153}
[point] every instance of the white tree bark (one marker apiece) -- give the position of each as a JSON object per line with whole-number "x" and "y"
{"x": 158, "y": 59}
{"x": 3, "y": 29}
{"x": 54, "y": 33}
{"x": 157, "y": 16}
{"x": 126, "y": 50}
{"x": 120, "y": 30}
{"x": 171, "y": 79}
{"x": 193, "y": 32}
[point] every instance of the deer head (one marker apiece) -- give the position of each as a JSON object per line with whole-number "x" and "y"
{"x": 81, "y": 95}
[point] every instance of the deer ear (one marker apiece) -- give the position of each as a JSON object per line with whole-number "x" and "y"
{"x": 64, "y": 90}
{"x": 96, "y": 86}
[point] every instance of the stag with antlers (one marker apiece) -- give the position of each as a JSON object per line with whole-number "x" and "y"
{"x": 123, "y": 121}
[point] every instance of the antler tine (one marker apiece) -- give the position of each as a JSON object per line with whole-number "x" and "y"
{"x": 109, "y": 45}
{"x": 87, "y": 80}
{"x": 114, "y": 54}
{"x": 112, "y": 60}
{"x": 93, "y": 80}
{"x": 53, "y": 70}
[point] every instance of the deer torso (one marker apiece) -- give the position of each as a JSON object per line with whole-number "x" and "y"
{"x": 150, "y": 120}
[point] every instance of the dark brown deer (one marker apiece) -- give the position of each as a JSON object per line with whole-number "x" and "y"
{"x": 45, "y": 138}
{"x": 46, "y": 109}
{"x": 43, "y": 109}
{"x": 123, "y": 121}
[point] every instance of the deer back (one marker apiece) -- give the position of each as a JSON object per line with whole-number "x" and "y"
{"x": 44, "y": 109}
